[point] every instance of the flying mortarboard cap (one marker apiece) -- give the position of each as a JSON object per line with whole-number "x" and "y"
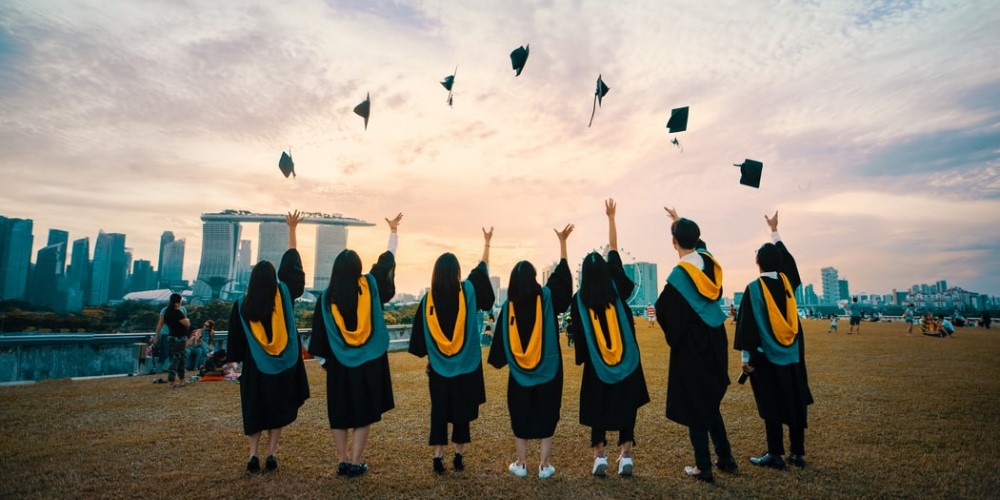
{"x": 364, "y": 109}
{"x": 518, "y": 58}
{"x": 286, "y": 165}
{"x": 678, "y": 121}
{"x": 449, "y": 82}
{"x": 750, "y": 172}
{"x": 602, "y": 90}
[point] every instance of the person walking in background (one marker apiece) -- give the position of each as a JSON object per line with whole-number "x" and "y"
{"x": 986, "y": 318}
{"x": 262, "y": 335}
{"x": 527, "y": 342}
{"x": 694, "y": 327}
{"x": 769, "y": 334}
{"x": 650, "y": 316}
{"x": 732, "y": 312}
{"x": 833, "y": 323}
{"x": 856, "y": 312}
{"x": 177, "y": 324}
{"x": 910, "y": 317}
{"x": 613, "y": 387}
{"x": 350, "y": 334}
{"x": 446, "y": 331}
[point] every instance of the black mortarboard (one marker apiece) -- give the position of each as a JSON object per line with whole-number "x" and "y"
{"x": 449, "y": 82}
{"x": 364, "y": 109}
{"x": 678, "y": 120}
{"x": 518, "y": 57}
{"x": 750, "y": 172}
{"x": 286, "y": 165}
{"x": 602, "y": 90}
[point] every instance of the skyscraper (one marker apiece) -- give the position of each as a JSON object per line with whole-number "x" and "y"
{"x": 330, "y": 241}
{"x": 143, "y": 277}
{"x": 244, "y": 265}
{"x": 16, "y": 239}
{"x": 844, "y": 289}
{"x": 57, "y": 236}
{"x": 107, "y": 280}
{"x": 45, "y": 278}
{"x": 172, "y": 262}
{"x": 217, "y": 270}
{"x": 273, "y": 241}
{"x": 165, "y": 238}
{"x": 78, "y": 275}
{"x": 495, "y": 281}
{"x": 831, "y": 287}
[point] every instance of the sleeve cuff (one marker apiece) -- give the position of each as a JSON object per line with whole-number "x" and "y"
{"x": 745, "y": 356}
{"x": 393, "y": 243}
{"x": 775, "y": 237}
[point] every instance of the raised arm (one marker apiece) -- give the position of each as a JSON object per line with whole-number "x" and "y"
{"x": 293, "y": 219}
{"x": 609, "y": 208}
{"x": 393, "y": 226}
{"x": 772, "y": 222}
{"x": 672, "y": 213}
{"x": 487, "y": 236}
{"x": 563, "y": 235}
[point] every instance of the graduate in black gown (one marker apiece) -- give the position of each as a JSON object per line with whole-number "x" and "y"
{"x": 446, "y": 330}
{"x": 690, "y": 314}
{"x": 613, "y": 386}
{"x": 527, "y": 341}
{"x": 262, "y": 335}
{"x": 350, "y": 334}
{"x": 769, "y": 334}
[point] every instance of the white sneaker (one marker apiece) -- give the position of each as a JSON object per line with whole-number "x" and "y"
{"x": 546, "y": 472}
{"x": 518, "y": 470}
{"x": 625, "y": 466}
{"x": 601, "y": 466}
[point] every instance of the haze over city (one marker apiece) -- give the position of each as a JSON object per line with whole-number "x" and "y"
{"x": 878, "y": 124}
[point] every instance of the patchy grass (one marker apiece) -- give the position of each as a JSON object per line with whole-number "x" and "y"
{"x": 895, "y": 416}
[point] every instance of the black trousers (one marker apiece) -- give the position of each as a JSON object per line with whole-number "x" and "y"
{"x": 459, "y": 433}
{"x": 776, "y": 438}
{"x": 715, "y": 428}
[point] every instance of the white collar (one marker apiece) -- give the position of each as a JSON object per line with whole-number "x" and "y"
{"x": 694, "y": 258}
{"x": 770, "y": 274}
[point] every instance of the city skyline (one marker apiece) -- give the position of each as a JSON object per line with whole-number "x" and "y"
{"x": 876, "y": 121}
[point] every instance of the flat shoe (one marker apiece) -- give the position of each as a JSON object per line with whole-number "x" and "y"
{"x": 357, "y": 470}
{"x": 797, "y": 460}
{"x": 518, "y": 470}
{"x": 768, "y": 460}
{"x": 727, "y": 466}
{"x": 271, "y": 464}
{"x": 700, "y": 475}
{"x": 253, "y": 465}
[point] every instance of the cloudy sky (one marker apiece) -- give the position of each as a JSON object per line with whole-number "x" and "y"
{"x": 878, "y": 123}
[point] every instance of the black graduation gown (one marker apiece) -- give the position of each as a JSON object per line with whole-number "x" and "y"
{"x": 269, "y": 401}
{"x": 358, "y": 396}
{"x": 454, "y": 399}
{"x": 699, "y": 365}
{"x": 534, "y": 411}
{"x": 607, "y": 406}
{"x": 781, "y": 391}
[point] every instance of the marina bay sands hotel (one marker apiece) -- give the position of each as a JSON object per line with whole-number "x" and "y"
{"x": 226, "y": 260}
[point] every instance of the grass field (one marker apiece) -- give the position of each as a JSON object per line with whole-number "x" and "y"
{"x": 895, "y": 416}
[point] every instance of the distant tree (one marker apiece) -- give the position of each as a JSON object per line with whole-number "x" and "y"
{"x": 217, "y": 311}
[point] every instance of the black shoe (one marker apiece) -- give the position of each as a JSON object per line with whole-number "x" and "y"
{"x": 797, "y": 460}
{"x": 439, "y": 465}
{"x": 343, "y": 468}
{"x": 458, "y": 463}
{"x": 700, "y": 475}
{"x": 769, "y": 460}
{"x": 357, "y": 470}
{"x": 253, "y": 466}
{"x": 271, "y": 464}
{"x": 728, "y": 466}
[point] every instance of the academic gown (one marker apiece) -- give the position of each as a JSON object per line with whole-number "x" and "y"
{"x": 455, "y": 399}
{"x": 356, "y": 396}
{"x": 699, "y": 365}
{"x": 781, "y": 391}
{"x": 269, "y": 401}
{"x": 534, "y": 411}
{"x": 607, "y": 406}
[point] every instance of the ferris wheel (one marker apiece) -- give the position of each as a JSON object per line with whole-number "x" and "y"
{"x": 631, "y": 270}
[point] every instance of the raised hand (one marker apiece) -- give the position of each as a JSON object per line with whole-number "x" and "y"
{"x": 564, "y": 234}
{"x": 609, "y": 207}
{"x": 772, "y": 221}
{"x": 487, "y": 235}
{"x": 672, "y": 213}
{"x": 394, "y": 223}
{"x": 293, "y": 218}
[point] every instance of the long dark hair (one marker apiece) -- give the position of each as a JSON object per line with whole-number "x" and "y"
{"x": 446, "y": 278}
{"x": 343, "y": 288}
{"x": 258, "y": 303}
{"x": 522, "y": 285}
{"x": 596, "y": 289}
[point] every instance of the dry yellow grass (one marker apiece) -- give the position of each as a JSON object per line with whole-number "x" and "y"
{"x": 894, "y": 417}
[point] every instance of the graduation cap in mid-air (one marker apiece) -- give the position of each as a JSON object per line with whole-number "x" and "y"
{"x": 364, "y": 109}
{"x": 678, "y": 122}
{"x": 449, "y": 82}
{"x": 517, "y": 59}
{"x": 602, "y": 90}
{"x": 286, "y": 165}
{"x": 750, "y": 172}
